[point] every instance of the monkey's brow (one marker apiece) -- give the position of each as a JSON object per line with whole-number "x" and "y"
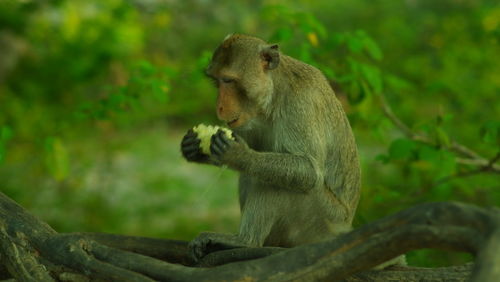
{"x": 218, "y": 75}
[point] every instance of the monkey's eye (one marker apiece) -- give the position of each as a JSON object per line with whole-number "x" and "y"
{"x": 227, "y": 80}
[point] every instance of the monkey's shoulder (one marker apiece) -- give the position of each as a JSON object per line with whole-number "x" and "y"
{"x": 300, "y": 69}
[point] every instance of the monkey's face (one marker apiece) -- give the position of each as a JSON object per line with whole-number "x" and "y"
{"x": 240, "y": 69}
{"x": 234, "y": 105}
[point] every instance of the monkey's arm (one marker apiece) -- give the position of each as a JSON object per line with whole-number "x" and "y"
{"x": 286, "y": 170}
{"x": 295, "y": 172}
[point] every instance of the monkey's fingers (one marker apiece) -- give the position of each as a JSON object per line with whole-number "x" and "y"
{"x": 190, "y": 141}
{"x": 218, "y": 146}
{"x": 237, "y": 138}
{"x": 191, "y": 150}
{"x": 195, "y": 157}
{"x": 191, "y": 132}
{"x": 215, "y": 149}
{"x": 192, "y": 154}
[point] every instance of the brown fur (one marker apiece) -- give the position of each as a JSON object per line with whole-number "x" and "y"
{"x": 298, "y": 163}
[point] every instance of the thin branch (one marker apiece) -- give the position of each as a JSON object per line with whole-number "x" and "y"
{"x": 463, "y": 174}
{"x": 457, "y": 175}
{"x": 396, "y": 121}
{"x": 469, "y": 157}
{"x": 492, "y": 162}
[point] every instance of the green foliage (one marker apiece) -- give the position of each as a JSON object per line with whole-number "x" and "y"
{"x": 95, "y": 96}
{"x": 5, "y": 135}
{"x": 401, "y": 149}
{"x": 56, "y": 158}
{"x": 146, "y": 83}
{"x": 490, "y": 133}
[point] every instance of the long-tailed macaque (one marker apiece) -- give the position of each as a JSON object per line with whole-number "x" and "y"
{"x": 293, "y": 147}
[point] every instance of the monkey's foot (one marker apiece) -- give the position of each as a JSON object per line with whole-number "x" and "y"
{"x": 208, "y": 242}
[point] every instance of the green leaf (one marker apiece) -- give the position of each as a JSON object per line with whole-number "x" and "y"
{"x": 372, "y": 48}
{"x": 146, "y": 68}
{"x": 5, "y": 133}
{"x": 428, "y": 153}
{"x": 373, "y": 77}
{"x": 355, "y": 45}
{"x": 402, "y": 149}
{"x": 309, "y": 23}
{"x": 396, "y": 82}
{"x": 442, "y": 137}
{"x": 356, "y": 93}
{"x": 446, "y": 164}
{"x": 490, "y": 132}
{"x": 354, "y": 65}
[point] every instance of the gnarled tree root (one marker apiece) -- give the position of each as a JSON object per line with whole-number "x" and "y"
{"x": 32, "y": 251}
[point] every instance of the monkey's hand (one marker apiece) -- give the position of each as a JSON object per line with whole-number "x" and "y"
{"x": 190, "y": 148}
{"x": 225, "y": 150}
{"x": 208, "y": 242}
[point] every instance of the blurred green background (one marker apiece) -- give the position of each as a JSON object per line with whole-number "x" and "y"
{"x": 96, "y": 95}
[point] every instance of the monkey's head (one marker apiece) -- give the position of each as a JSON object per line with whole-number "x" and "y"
{"x": 241, "y": 68}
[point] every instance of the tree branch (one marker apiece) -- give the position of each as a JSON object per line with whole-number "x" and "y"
{"x": 239, "y": 254}
{"x": 469, "y": 157}
{"x": 451, "y": 226}
{"x": 174, "y": 251}
{"x": 409, "y": 274}
{"x": 20, "y": 261}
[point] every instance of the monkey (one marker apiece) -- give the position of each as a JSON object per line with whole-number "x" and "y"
{"x": 293, "y": 146}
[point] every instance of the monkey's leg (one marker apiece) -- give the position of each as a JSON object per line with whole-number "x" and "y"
{"x": 257, "y": 220}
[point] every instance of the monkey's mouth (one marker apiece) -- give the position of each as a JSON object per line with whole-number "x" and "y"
{"x": 233, "y": 122}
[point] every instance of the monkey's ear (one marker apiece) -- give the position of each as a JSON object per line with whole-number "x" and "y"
{"x": 270, "y": 56}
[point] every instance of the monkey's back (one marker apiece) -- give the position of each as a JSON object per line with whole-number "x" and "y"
{"x": 308, "y": 120}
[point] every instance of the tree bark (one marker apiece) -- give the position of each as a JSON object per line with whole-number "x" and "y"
{"x": 32, "y": 251}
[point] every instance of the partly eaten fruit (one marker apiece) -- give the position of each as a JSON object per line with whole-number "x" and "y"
{"x": 205, "y": 133}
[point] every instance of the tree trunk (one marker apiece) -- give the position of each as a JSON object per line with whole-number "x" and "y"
{"x": 32, "y": 251}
